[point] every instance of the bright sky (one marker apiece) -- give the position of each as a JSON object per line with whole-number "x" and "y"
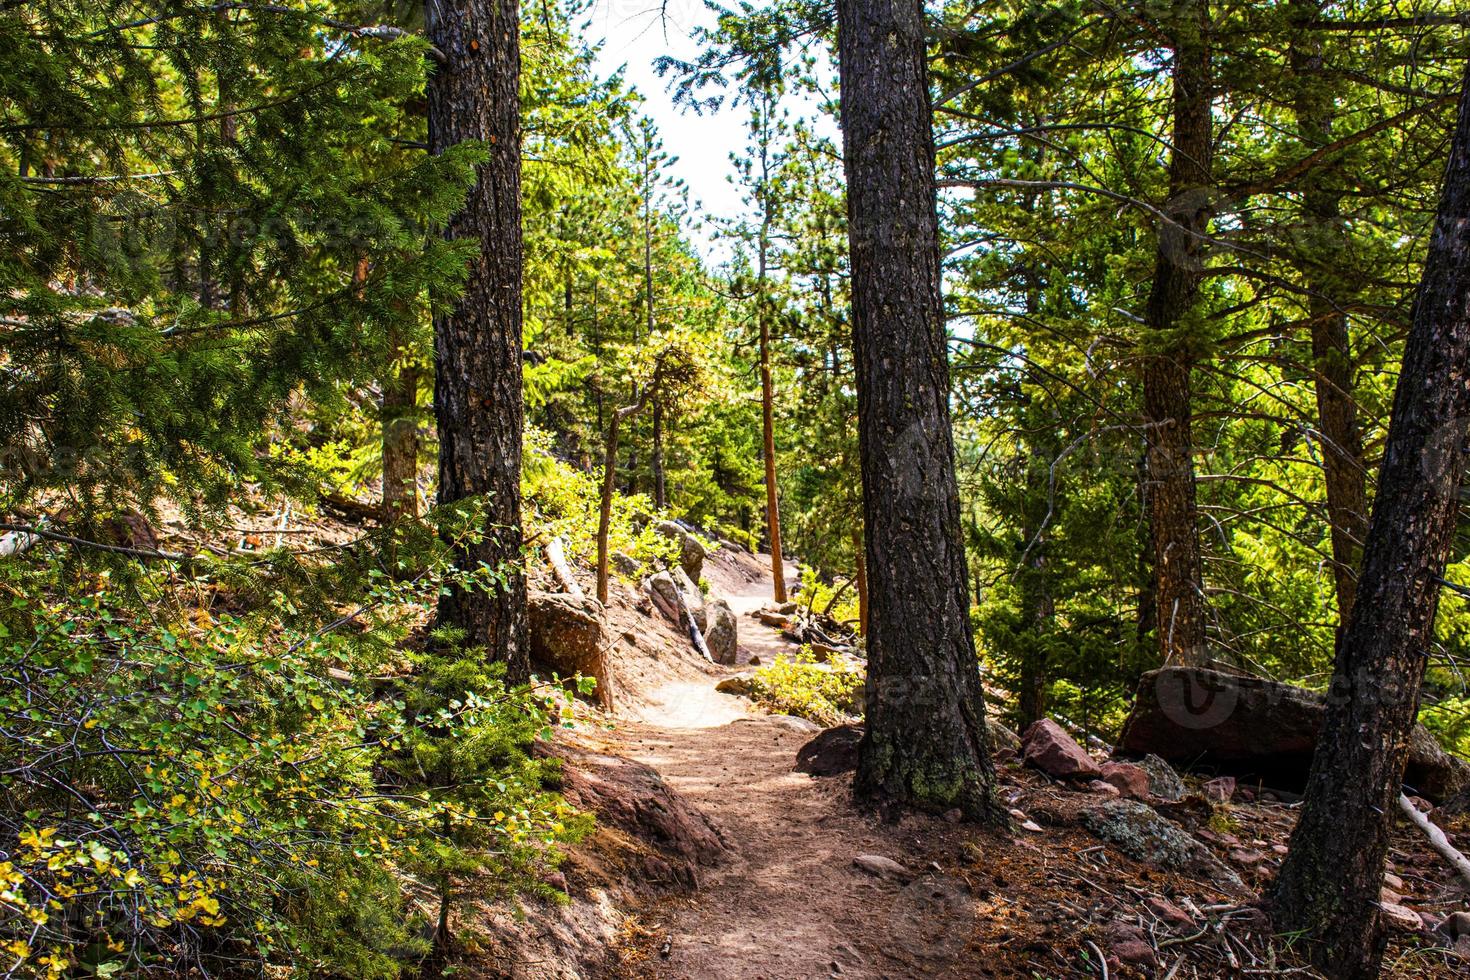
{"x": 635, "y": 32}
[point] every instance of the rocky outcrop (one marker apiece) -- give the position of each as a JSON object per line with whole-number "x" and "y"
{"x": 1250, "y": 726}
{"x": 691, "y": 552}
{"x": 1163, "y": 782}
{"x": 1048, "y": 747}
{"x": 668, "y": 588}
{"x": 1139, "y": 832}
{"x": 831, "y": 753}
{"x": 722, "y": 634}
{"x": 567, "y": 637}
{"x": 673, "y": 838}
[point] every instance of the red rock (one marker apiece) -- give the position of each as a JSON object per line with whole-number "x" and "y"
{"x": 1246, "y": 857}
{"x": 1130, "y": 780}
{"x": 1220, "y": 789}
{"x": 1401, "y": 919}
{"x": 1048, "y": 747}
{"x": 1104, "y": 789}
{"x": 1168, "y": 911}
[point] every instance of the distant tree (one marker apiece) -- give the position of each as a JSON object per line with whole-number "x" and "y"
{"x": 1329, "y": 883}
{"x": 474, "y": 95}
{"x": 926, "y": 743}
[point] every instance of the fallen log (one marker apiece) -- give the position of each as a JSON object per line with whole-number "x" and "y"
{"x": 556, "y": 554}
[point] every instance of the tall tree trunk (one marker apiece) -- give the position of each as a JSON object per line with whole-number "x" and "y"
{"x": 925, "y": 743}
{"x": 1037, "y": 605}
{"x": 1329, "y": 883}
{"x": 1344, "y": 470}
{"x": 763, "y": 316}
{"x": 609, "y": 489}
{"x": 1167, "y": 396}
{"x": 474, "y": 95}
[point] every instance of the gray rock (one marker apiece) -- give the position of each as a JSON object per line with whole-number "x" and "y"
{"x": 1002, "y": 737}
{"x": 691, "y": 552}
{"x": 1163, "y": 781}
{"x": 722, "y": 633}
{"x": 667, "y": 587}
{"x": 803, "y": 726}
{"x": 881, "y": 867}
{"x": 1139, "y": 832}
{"x": 625, "y": 564}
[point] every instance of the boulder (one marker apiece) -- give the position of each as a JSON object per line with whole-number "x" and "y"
{"x": 722, "y": 634}
{"x": 1130, "y": 780}
{"x": 741, "y": 685}
{"x": 778, "y": 620}
{"x": 667, "y": 588}
{"x": 1399, "y": 918}
{"x": 831, "y": 753}
{"x": 626, "y": 564}
{"x": 1163, "y": 781}
{"x": 691, "y": 552}
{"x": 567, "y": 636}
{"x": 1139, "y": 832}
{"x": 677, "y": 838}
{"x": 1048, "y": 747}
{"x": 1001, "y": 737}
{"x": 1250, "y": 726}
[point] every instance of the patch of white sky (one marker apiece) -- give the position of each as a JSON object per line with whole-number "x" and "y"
{"x": 630, "y": 36}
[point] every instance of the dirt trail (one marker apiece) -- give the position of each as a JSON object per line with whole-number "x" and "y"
{"x": 788, "y": 904}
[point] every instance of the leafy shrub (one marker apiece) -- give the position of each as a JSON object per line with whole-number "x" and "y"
{"x": 187, "y": 787}
{"x": 826, "y": 694}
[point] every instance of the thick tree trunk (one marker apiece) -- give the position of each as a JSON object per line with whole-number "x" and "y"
{"x": 1167, "y": 398}
{"x": 1329, "y": 883}
{"x": 860, "y": 561}
{"x": 925, "y": 742}
{"x": 1344, "y": 471}
{"x": 474, "y": 95}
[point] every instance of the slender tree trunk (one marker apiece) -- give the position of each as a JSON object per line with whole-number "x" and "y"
{"x": 609, "y": 488}
{"x": 1329, "y": 883}
{"x": 1037, "y": 604}
{"x": 768, "y": 422}
{"x": 400, "y": 427}
{"x": 474, "y": 95}
{"x": 1344, "y": 470}
{"x": 1167, "y": 395}
{"x": 660, "y": 492}
{"x": 925, "y": 742}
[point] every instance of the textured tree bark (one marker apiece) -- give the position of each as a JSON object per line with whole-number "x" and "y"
{"x": 860, "y": 560}
{"x": 925, "y": 743}
{"x": 1343, "y": 468}
{"x": 1167, "y": 396}
{"x": 609, "y": 487}
{"x": 474, "y": 95}
{"x": 1328, "y": 886}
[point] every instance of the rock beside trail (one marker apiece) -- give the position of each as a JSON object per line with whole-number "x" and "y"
{"x": 741, "y": 685}
{"x": 722, "y": 632}
{"x": 667, "y": 588}
{"x": 567, "y": 636}
{"x": 676, "y": 838}
{"x": 1048, "y": 747}
{"x": 1002, "y": 739}
{"x": 881, "y": 867}
{"x": 626, "y": 564}
{"x": 833, "y": 752}
{"x": 691, "y": 552}
{"x": 1257, "y": 727}
{"x": 1221, "y": 789}
{"x": 1139, "y": 832}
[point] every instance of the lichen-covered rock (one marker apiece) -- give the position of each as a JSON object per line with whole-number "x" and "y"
{"x": 626, "y": 564}
{"x": 1163, "y": 781}
{"x": 691, "y": 552}
{"x": 1139, "y": 832}
{"x": 1002, "y": 737}
{"x": 723, "y": 633}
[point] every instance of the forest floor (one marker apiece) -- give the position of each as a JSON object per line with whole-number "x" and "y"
{"x": 789, "y": 903}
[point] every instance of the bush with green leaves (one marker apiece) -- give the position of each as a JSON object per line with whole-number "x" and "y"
{"x": 189, "y": 786}
{"x": 829, "y": 694}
